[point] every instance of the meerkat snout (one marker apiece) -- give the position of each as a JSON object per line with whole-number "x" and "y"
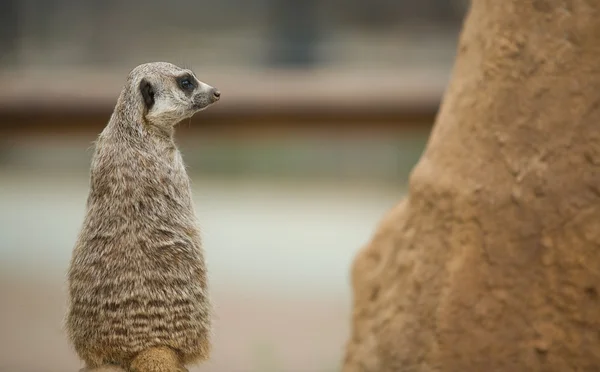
{"x": 214, "y": 95}
{"x": 204, "y": 95}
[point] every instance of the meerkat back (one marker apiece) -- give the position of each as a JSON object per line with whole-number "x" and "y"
{"x": 138, "y": 291}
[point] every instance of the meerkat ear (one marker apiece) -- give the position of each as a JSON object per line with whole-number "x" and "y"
{"x": 147, "y": 93}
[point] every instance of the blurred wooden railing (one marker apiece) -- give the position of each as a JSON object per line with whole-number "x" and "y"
{"x": 266, "y": 102}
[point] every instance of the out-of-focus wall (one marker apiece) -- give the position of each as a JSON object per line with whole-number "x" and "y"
{"x": 326, "y": 106}
{"x": 230, "y": 33}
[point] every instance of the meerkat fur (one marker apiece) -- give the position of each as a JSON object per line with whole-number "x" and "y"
{"x": 138, "y": 288}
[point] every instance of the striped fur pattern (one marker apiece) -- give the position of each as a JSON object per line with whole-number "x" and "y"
{"x": 137, "y": 277}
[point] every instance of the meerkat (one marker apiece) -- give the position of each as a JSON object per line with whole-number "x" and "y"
{"x": 137, "y": 280}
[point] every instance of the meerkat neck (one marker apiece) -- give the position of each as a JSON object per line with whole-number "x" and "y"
{"x": 138, "y": 132}
{"x": 129, "y": 122}
{"x": 166, "y": 134}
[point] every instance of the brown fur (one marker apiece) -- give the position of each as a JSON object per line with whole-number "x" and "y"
{"x": 158, "y": 359}
{"x": 103, "y": 369}
{"x": 137, "y": 279}
{"x": 492, "y": 262}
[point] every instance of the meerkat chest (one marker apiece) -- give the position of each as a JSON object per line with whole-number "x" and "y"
{"x": 178, "y": 170}
{"x": 175, "y": 181}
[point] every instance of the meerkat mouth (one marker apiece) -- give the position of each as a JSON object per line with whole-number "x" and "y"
{"x": 200, "y": 106}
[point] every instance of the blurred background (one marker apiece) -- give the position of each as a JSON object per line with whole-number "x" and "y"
{"x": 326, "y": 106}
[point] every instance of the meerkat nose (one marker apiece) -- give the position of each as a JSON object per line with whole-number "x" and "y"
{"x": 214, "y": 95}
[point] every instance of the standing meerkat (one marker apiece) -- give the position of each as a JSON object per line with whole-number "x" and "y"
{"x": 138, "y": 296}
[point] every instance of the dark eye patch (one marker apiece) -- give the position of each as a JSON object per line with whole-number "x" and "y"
{"x": 187, "y": 83}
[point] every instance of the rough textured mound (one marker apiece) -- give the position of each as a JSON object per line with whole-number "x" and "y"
{"x": 492, "y": 262}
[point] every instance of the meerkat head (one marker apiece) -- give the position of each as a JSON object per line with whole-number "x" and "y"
{"x": 169, "y": 94}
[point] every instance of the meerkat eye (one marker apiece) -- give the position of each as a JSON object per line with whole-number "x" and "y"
{"x": 186, "y": 84}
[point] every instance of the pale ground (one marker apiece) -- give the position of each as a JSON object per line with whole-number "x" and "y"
{"x": 278, "y": 254}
